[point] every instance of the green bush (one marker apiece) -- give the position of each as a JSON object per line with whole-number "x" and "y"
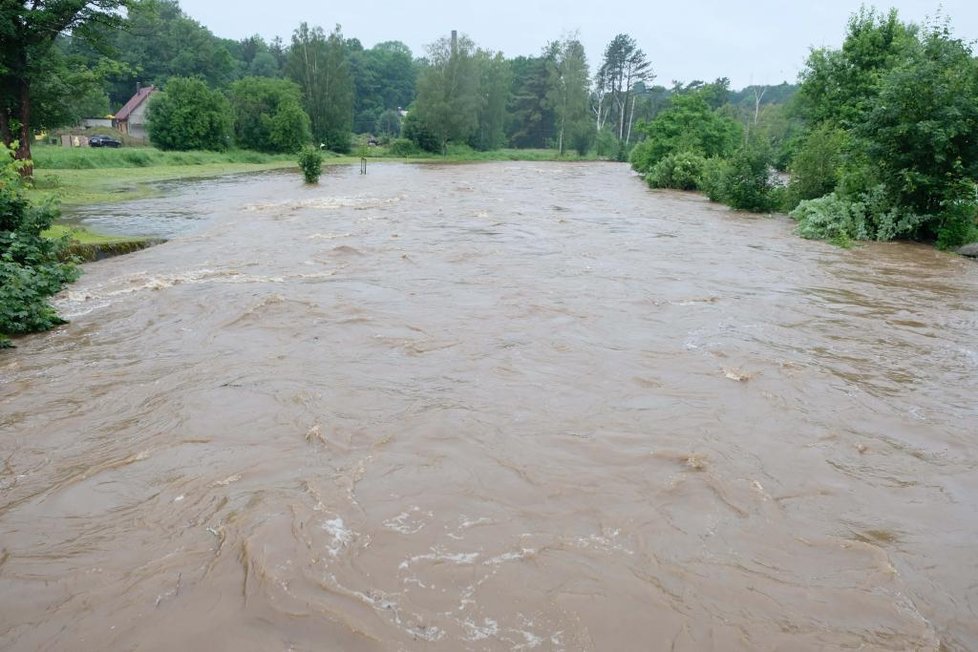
{"x": 831, "y": 218}
{"x": 958, "y": 225}
{"x": 644, "y": 156}
{"x": 31, "y": 269}
{"x": 715, "y": 179}
{"x": 417, "y": 132}
{"x": 872, "y": 215}
{"x": 680, "y": 170}
{"x": 817, "y": 164}
{"x": 403, "y": 147}
{"x": 606, "y": 144}
{"x": 188, "y": 115}
{"x": 268, "y": 115}
{"x": 311, "y": 163}
{"x": 748, "y": 183}
{"x": 688, "y": 124}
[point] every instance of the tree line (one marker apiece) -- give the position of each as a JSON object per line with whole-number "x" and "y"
{"x": 65, "y": 60}
{"x": 877, "y": 139}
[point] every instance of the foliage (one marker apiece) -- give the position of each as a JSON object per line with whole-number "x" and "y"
{"x": 920, "y": 135}
{"x": 840, "y": 86}
{"x": 449, "y": 98}
{"x": 34, "y": 77}
{"x": 384, "y": 78}
{"x": 189, "y": 116}
{"x": 715, "y": 178}
{"x": 747, "y": 185}
{"x": 388, "y": 124}
{"x": 870, "y": 216}
{"x": 268, "y": 115}
{"x": 624, "y": 66}
{"x": 688, "y": 124}
{"x": 816, "y": 167}
{"x": 494, "y": 82}
{"x": 679, "y": 170}
{"x": 418, "y": 133}
{"x": 569, "y": 97}
{"x": 31, "y": 269}
{"x": 894, "y": 115}
{"x": 830, "y": 218}
{"x": 403, "y": 147}
{"x": 606, "y": 145}
{"x": 958, "y": 225}
{"x": 311, "y": 164}
{"x": 159, "y": 42}
{"x": 532, "y": 120}
{"x": 320, "y": 65}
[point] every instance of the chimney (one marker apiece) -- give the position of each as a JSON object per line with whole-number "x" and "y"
{"x": 454, "y": 41}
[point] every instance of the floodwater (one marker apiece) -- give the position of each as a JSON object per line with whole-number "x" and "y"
{"x": 493, "y": 407}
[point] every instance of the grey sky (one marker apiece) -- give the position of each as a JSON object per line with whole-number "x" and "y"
{"x": 762, "y": 41}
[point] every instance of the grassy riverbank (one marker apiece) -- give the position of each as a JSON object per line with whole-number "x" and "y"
{"x": 88, "y": 246}
{"x": 95, "y": 176}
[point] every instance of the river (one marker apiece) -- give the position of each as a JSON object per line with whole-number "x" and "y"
{"x": 505, "y": 406}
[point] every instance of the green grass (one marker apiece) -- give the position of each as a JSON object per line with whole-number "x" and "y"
{"x": 87, "y": 158}
{"x": 87, "y": 246}
{"x": 81, "y": 236}
{"x": 82, "y": 176}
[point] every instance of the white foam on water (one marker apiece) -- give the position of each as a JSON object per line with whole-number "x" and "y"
{"x": 477, "y": 632}
{"x": 440, "y": 555}
{"x": 408, "y": 522}
{"x": 342, "y": 536}
{"x": 523, "y": 553}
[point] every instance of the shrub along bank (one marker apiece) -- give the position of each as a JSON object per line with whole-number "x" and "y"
{"x": 887, "y": 149}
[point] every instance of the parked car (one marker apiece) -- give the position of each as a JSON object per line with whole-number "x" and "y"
{"x": 104, "y": 141}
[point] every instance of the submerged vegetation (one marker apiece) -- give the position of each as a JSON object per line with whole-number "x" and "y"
{"x": 311, "y": 164}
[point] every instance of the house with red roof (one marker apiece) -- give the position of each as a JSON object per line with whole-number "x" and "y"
{"x": 131, "y": 118}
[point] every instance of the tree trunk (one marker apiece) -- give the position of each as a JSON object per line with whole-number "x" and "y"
{"x": 24, "y": 146}
{"x": 5, "y": 134}
{"x": 622, "y": 108}
{"x": 631, "y": 120}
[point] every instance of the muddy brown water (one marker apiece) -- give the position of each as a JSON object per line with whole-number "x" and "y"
{"x": 493, "y": 407}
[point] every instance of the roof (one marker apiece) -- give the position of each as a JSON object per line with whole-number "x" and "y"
{"x": 141, "y": 95}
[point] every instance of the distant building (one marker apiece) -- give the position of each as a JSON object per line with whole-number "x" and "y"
{"x": 131, "y": 118}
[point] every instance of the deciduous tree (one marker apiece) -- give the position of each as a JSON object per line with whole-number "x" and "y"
{"x": 27, "y": 35}
{"x": 448, "y": 100}
{"x": 320, "y": 64}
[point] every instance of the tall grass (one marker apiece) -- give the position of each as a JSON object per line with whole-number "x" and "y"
{"x": 88, "y": 158}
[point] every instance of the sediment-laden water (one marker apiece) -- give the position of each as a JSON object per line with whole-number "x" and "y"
{"x": 493, "y": 407}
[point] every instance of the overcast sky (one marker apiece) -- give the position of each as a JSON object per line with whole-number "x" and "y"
{"x": 762, "y": 41}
